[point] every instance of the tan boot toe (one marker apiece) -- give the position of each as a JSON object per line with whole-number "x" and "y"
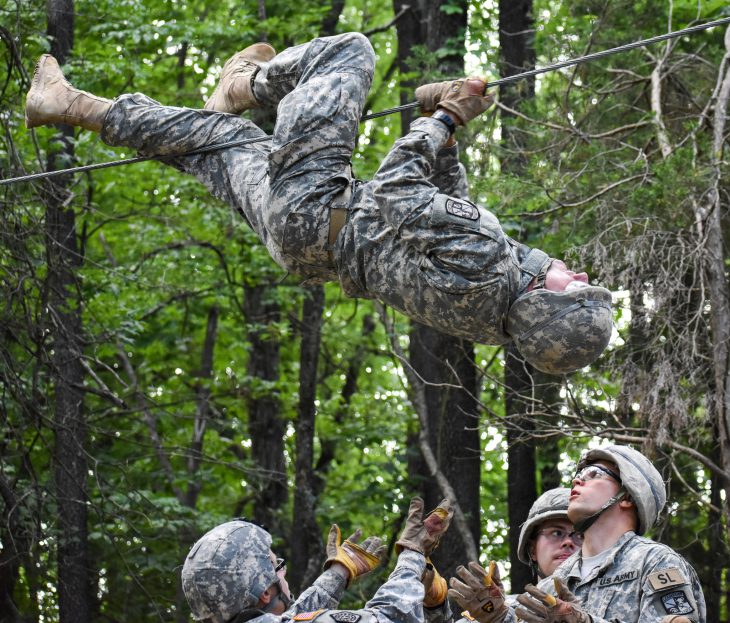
{"x": 234, "y": 92}
{"x": 42, "y": 97}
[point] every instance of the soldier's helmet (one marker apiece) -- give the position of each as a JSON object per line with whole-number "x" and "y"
{"x": 560, "y": 332}
{"x": 639, "y": 477}
{"x": 227, "y": 570}
{"x": 552, "y": 504}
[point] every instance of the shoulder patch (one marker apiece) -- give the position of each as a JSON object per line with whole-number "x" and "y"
{"x": 345, "y": 616}
{"x": 667, "y": 578}
{"x": 676, "y": 602}
{"x": 307, "y": 616}
{"x": 462, "y": 209}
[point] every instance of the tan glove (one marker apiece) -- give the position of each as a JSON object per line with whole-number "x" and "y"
{"x": 435, "y": 586}
{"x": 480, "y": 593}
{"x": 423, "y": 535}
{"x": 358, "y": 559}
{"x": 537, "y": 606}
{"x": 463, "y": 99}
{"x": 675, "y": 618}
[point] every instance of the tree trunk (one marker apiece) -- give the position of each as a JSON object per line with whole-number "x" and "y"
{"x": 437, "y": 358}
{"x": 521, "y": 485}
{"x": 266, "y": 425}
{"x": 306, "y": 541}
{"x": 453, "y": 427}
{"x": 70, "y": 466}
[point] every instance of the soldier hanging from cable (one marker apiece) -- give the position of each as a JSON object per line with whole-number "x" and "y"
{"x": 400, "y": 238}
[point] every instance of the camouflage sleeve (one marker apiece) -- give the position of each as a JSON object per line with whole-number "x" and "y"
{"x": 400, "y": 598}
{"x": 449, "y": 175}
{"x": 324, "y": 594}
{"x": 403, "y": 184}
{"x": 439, "y": 614}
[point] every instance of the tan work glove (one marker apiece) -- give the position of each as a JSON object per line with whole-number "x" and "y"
{"x": 463, "y": 99}
{"x": 480, "y": 593}
{"x": 435, "y": 586}
{"x": 358, "y": 559}
{"x": 542, "y": 607}
{"x": 423, "y": 535}
{"x": 675, "y": 618}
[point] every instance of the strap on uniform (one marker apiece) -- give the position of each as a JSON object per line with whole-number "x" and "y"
{"x": 532, "y": 266}
{"x": 559, "y": 314}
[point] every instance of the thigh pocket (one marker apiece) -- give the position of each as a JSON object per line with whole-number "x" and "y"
{"x": 305, "y": 237}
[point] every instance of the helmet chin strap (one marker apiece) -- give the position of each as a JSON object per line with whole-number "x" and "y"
{"x": 584, "y": 524}
{"x": 280, "y": 596}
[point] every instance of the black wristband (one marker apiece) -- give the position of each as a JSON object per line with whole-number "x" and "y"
{"x": 446, "y": 119}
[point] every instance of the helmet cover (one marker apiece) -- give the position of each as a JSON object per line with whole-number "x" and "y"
{"x": 553, "y": 504}
{"x": 227, "y": 571}
{"x": 560, "y": 332}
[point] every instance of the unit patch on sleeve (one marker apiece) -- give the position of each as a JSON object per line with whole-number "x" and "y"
{"x": 676, "y": 602}
{"x": 345, "y": 616}
{"x": 307, "y": 616}
{"x": 462, "y": 209}
{"x": 661, "y": 580}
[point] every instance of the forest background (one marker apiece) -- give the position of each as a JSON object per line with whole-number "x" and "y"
{"x": 160, "y": 374}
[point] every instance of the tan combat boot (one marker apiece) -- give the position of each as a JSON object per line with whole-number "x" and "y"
{"x": 234, "y": 92}
{"x": 51, "y": 99}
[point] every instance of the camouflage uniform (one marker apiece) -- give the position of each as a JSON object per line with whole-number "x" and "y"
{"x": 640, "y": 581}
{"x": 398, "y": 600}
{"x": 410, "y": 240}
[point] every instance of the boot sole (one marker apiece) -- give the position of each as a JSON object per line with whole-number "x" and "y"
{"x": 33, "y": 117}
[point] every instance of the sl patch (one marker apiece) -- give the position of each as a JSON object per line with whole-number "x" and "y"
{"x": 666, "y": 579}
{"x": 677, "y": 602}
{"x": 307, "y": 616}
{"x": 462, "y": 209}
{"x": 344, "y": 616}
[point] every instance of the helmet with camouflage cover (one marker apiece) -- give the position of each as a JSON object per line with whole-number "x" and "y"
{"x": 639, "y": 478}
{"x": 560, "y": 332}
{"x": 552, "y": 504}
{"x": 227, "y": 571}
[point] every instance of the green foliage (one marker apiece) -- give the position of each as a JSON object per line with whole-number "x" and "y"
{"x": 159, "y": 254}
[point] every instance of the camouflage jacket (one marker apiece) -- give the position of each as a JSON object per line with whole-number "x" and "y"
{"x": 398, "y": 600}
{"x": 413, "y": 241}
{"x": 641, "y": 581}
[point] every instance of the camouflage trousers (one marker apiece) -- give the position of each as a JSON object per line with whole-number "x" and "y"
{"x": 284, "y": 186}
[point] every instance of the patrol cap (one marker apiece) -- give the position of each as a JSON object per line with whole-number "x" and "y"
{"x": 560, "y": 332}
{"x": 639, "y": 477}
{"x": 227, "y": 570}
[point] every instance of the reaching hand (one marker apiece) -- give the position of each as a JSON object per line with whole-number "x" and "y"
{"x": 435, "y": 586}
{"x": 537, "y": 606}
{"x": 480, "y": 593}
{"x": 358, "y": 559}
{"x": 423, "y": 535}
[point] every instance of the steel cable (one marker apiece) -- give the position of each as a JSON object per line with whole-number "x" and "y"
{"x": 509, "y": 79}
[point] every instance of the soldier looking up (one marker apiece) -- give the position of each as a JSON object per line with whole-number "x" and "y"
{"x": 231, "y": 575}
{"x": 617, "y": 575}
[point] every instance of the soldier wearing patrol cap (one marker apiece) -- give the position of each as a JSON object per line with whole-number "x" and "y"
{"x": 409, "y": 237}
{"x": 618, "y": 575}
{"x": 231, "y": 575}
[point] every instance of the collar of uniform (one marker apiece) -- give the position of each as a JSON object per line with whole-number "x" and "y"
{"x": 530, "y": 267}
{"x": 575, "y": 559}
